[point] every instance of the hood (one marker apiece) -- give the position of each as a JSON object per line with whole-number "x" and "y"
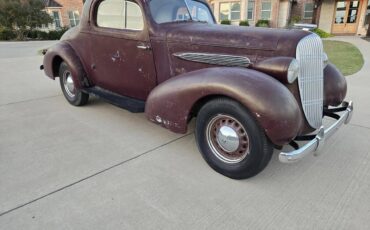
{"x": 253, "y": 38}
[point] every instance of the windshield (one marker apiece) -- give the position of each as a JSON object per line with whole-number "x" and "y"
{"x": 180, "y": 10}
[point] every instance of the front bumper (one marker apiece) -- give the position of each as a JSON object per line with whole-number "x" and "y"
{"x": 318, "y": 141}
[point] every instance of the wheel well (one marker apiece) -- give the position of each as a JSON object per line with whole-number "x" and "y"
{"x": 56, "y": 64}
{"x": 202, "y": 101}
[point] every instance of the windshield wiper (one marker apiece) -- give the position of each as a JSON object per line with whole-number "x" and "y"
{"x": 187, "y": 7}
{"x": 201, "y": 21}
{"x": 191, "y": 20}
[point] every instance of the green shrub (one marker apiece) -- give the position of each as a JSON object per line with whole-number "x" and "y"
{"x": 56, "y": 34}
{"x": 51, "y": 35}
{"x": 32, "y": 34}
{"x": 322, "y": 33}
{"x": 295, "y": 19}
{"x": 263, "y": 23}
{"x": 244, "y": 23}
{"x": 226, "y": 22}
{"x": 42, "y": 35}
{"x": 7, "y": 34}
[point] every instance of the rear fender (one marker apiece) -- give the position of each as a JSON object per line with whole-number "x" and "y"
{"x": 271, "y": 103}
{"x": 64, "y": 52}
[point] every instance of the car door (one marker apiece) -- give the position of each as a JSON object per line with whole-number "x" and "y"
{"x": 122, "y": 57}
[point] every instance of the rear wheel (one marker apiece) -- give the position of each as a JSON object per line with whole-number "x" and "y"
{"x": 73, "y": 95}
{"x": 230, "y": 139}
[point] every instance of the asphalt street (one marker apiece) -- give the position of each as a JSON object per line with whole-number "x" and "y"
{"x": 101, "y": 167}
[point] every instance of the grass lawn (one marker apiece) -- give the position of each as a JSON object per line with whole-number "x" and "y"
{"x": 344, "y": 55}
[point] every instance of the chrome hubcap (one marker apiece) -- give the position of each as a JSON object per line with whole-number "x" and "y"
{"x": 227, "y": 139}
{"x": 69, "y": 84}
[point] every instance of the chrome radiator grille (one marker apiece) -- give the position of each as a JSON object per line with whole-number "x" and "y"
{"x": 311, "y": 78}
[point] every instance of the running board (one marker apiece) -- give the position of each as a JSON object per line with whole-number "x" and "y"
{"x": 130, "y": 104}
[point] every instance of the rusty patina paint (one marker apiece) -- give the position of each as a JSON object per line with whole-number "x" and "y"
{"x": 110, "y": 59}
{"x": 63, "y": 51}
{"x": 271, "y": 103}
{"x": 335, "y": 86}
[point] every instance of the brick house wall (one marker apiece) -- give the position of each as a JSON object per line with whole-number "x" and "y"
{"x": 274, "y": 17}
{"x": 66, "y": 13}
{"x": 281, "y": 11}
{"x": 275, "y": 4}
{"x": 69, "y": 6}
{"x": 298, "y": 8}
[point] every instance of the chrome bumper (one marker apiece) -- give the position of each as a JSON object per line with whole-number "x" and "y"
{"x": 318, "y": 142}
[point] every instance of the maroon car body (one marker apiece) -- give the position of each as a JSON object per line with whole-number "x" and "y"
{"x": 172, "y": 69}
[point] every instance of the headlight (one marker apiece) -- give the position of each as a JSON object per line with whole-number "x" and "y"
{"x": 293, "y": 71}
{"x": 284, "y": 69}
{"x": 325, "y": 59}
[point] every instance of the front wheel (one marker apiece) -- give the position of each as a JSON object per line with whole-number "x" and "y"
{"x": 230, "y": 139}
{"x": 73, "y": 95}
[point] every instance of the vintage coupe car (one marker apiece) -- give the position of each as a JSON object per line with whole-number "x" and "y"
{"x": 250, "y": 89}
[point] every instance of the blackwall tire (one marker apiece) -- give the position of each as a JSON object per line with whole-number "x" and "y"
{"x": 230, "y": 139}
{"x": 73, "y": 95}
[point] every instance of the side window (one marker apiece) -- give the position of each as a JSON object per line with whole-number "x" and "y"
{"x": 230, "y": 11}
{"x": 74, "y": 18}
{"x": 134, "y": 16}
{"x": 119, "y": 14}
{"x": 266, "y": 10}
{"x": 56, "y": 19}
{"x": 308, "y": 11}
{"x": 250, "y": 10}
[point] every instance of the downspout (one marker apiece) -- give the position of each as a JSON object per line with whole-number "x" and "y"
{"x": 368, "y": 24}
{"x": 289, "y": 12}
{"x": 317, "y": 12}
{"x": 278, "y": 14}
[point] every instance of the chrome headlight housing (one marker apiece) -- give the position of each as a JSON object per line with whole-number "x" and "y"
{"x": 293, "y": 71}
{"x": 284, "y": 69}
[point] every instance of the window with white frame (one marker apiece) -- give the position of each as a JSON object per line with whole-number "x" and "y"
{"x": 266, "y": 10}
{"x": 230, "y": 11}
{"x": 308, "y": 11}
{"x": 250, "y": 10}
{"x": 56, "y": 19}
{"x": 74, "y": 18}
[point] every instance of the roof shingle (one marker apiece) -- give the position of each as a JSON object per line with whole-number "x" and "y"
{"x": 51, "y": 3}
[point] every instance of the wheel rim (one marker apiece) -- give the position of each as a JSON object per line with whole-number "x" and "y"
{"x": 227, "y": 139}
{"x": 69, "y": 85}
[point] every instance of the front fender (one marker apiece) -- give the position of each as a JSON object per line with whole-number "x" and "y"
{"x": 270, "y": 102}
{"x": 335, "y": 86}
{"x": 62, "y": 51}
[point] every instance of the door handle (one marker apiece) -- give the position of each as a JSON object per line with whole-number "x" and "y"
{"x": 144, "y": 47}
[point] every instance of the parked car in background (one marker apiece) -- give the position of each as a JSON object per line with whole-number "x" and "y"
{"x": 249, "y": 89}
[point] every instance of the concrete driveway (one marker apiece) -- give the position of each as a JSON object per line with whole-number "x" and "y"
{"x": 100, "y": 167}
